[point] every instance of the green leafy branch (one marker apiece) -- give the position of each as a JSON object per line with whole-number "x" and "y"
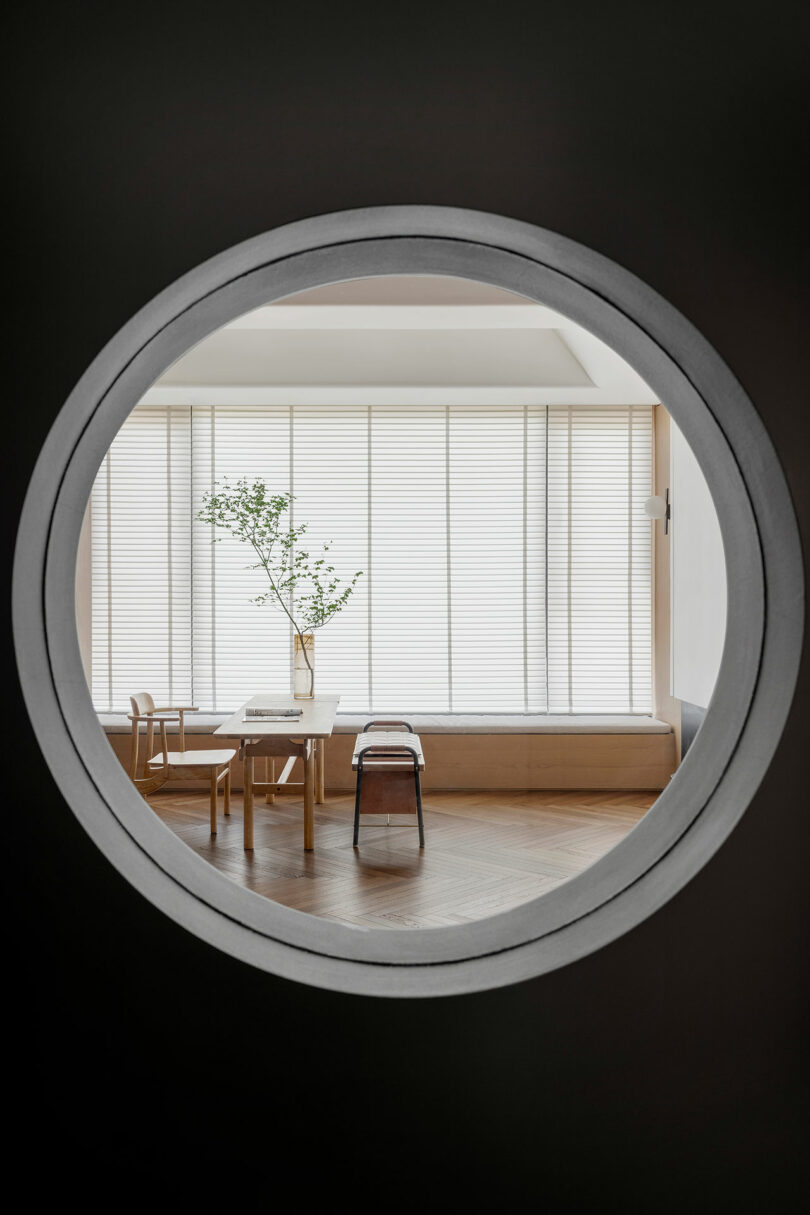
{"x": 305, "y": 587}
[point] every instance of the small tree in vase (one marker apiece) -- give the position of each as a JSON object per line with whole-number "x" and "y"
{"x": 303, "y": 586}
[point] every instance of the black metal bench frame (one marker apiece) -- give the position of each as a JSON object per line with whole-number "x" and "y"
{"x": 391, "y": 755}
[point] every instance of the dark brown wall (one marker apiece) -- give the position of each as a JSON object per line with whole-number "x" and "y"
{"x": 666, "y": 1072}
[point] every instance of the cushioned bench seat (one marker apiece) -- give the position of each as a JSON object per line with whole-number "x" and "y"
{"x": 483, "y": 750}
{"x": 195, "y": 723}
{"x": 517, "y": 723}
{"x": 445, "y": 723}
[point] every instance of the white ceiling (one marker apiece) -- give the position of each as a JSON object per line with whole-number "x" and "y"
{"x": 382, "y": 357}
{"x": 394, "y": 340}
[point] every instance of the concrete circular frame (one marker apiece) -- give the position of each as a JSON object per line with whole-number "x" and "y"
{"x": 723, "y": 768}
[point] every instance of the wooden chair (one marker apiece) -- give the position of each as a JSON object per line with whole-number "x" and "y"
{"x": 388, "y": 766}
{"x": 164, "y": 764}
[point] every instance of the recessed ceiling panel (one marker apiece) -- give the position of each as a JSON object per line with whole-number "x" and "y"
{"x": 500, "y": 357}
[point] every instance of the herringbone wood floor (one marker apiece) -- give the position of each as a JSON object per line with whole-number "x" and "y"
{"x": 485, "y": 852}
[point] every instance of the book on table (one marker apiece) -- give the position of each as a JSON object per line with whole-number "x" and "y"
{"x": 270, "y": 713}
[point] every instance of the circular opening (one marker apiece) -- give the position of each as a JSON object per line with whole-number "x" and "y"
{"x": 479, "y": 466}
{"x": 723, "y": 767}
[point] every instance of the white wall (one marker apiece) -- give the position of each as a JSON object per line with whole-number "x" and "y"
{"x": 698, "y": 578}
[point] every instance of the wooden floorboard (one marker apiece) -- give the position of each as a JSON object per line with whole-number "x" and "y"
{"x": 485, "y": 852}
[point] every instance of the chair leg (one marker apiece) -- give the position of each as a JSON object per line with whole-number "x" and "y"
{"x": 248, "y": 801}
{"x": 419, "y": 805}
{"x": 357, "y": 807}
{"x": 213, "y": 801}
{"x": 320, "y": 771}
{"x": 228, "y": 791}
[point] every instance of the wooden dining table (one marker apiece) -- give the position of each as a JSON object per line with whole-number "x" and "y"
{"x": 301, "y": 738}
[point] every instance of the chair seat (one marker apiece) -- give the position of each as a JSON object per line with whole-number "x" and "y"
{"x": 193, "y": 759}
{"x": 387, "y": 740}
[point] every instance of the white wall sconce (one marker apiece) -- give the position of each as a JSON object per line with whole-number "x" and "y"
{"x": 659, "y": 508}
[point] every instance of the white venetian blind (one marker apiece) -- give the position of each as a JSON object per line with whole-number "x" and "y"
{"x": 408, "y": 618}
{"x": 330, "y": 483}
{"x": 489, "y": 568}
{"x": 141, "y": 561}
{"x": 599, "y": 560}
{"x": 505, "y": 553}
{"x": 238, "y": 648}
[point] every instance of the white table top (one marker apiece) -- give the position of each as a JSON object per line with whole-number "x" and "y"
{"x": 316, "y": 720}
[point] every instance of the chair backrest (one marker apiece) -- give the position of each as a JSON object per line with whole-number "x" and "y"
{"x": 384, "y": 723}
{"x": 142, "y": 703}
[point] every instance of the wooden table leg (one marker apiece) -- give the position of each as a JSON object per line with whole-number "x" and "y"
{"x": 248, "y": 801}
{"x": 309, "y": 795}
{"x": 228, "y": 791}
{"x": 270, "y": 775}
{"x": 213, "y": 801}
{"x": 320, "y": 769}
